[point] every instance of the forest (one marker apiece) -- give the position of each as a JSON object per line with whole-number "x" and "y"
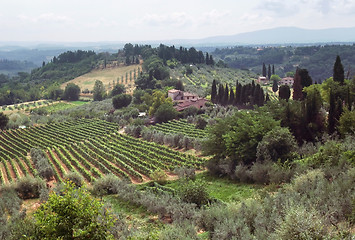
{"x": 317, "y": 59}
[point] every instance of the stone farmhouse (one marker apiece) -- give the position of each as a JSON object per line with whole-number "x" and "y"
{"x": 185, "y": 100}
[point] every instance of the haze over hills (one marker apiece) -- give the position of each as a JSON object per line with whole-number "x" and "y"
{"x": 280, "y": 35}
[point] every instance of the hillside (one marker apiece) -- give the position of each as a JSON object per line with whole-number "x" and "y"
{"x": 318, "y": 60}
{"x": 200, "y": 79}
{"x": 109, "y": 77}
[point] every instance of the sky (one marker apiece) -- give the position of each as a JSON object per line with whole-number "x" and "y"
{"x": 147, "y": 20}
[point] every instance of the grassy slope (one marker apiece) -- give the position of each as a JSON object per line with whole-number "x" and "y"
{"x": 107, "y": 76}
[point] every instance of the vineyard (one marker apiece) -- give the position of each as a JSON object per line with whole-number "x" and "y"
{"x": 91, "y": 148}
{"x": 180, "y": 127}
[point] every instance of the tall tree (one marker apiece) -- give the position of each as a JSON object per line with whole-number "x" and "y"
{"x": 269, "y": 72}
{"x": 273, "y": 69}
{"x": 220, "y": 94}
{"x": 231, "y": 96}
{"x": 71, "y": 92}
{"x": 275, "y": 86}
{"x": 264, "y": 70}
{"x": 214, "y": 91}
{"x": 297, "y": 87}
{"x": 207, "y": 59}
{"x": 226, "y": 95}
{"x": 284, "y": 92}
{"x": 99, "y": 91}
{"x": 211, "y": 62}
{"x": 338, "y": 71}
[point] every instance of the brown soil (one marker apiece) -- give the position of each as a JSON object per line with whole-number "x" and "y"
{"x": 27, "y": 167}
{"x": 13, "y": 175}
{"x": 60, "y": 162}
{"x": 3, "y": 173}
{"x": 19, "y": 170}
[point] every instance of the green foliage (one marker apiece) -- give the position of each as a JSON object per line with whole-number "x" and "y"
{"x": 247, "y": 131}
{"x": 165, "y": 112}
{"x": 71, "y": 92}
{"x": 347, "y": 123}
{"x": 338, "y": 71}
{"x": 277, "y": 145}
{"x": 121, "y": 101}
{"x": 106, "y": 185}
{"x": 99, "y": 92}
{"x": 29, "y": 187}
{"x": 159, "y": 176}
{"x": 3, "y": 120}
{"x": 117, "y": 89}
{"x": 284, "y": 92}
{"x": 42, "y": 165}
{"x": 193, "y": 191}
{"x": 73, "y": 214}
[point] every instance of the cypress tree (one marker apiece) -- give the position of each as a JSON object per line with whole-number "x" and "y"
{"x": 220, "y": 94}
{"x": 273, "y": 69}
{"x": 238, "y": 93}
{"x": 284, "y": 92}
{"x": 264, "y": 70}
{"x": 269, "y": 72}
{"x": 275, "y": 87}
{"x": 214, "y": 91}
{"x": 267, "y": 97}
{"x": 207, "y": 59}
{"x": 211, "y": 60}
{"x": 226, "y": 95}
{"x": 338, "y": 71}
{"x": 231, "y": 96}
{"x": 297, "y": 87}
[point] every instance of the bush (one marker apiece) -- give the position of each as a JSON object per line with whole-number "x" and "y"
{"x": 121, "y": 100}
{"x": 29, "y": 187}
{"x": 301, "y": 223}
{"x": 75, "y": 178}
{"x": 193, "y": 192}
{"x": 109, "y": 184}
{"x": 159, "y": 176}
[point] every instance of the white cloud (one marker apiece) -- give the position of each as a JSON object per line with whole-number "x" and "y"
{"x": 45, "y": 18}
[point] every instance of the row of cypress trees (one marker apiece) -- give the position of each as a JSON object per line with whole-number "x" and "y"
{"x": 244, "y": 95}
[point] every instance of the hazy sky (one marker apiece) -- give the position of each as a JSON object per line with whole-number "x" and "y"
{"x": 139, "y": 20}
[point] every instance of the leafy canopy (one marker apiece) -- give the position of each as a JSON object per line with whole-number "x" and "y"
{"x": 73, "y": 214}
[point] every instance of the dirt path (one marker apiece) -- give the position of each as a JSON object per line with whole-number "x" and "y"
{"x": 3, "y": 174}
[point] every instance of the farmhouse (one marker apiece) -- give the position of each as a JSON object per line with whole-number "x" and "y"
{"x": 262, "y": 80}
{"x": 186, "y": 99}
{"x": 287, "y": 81}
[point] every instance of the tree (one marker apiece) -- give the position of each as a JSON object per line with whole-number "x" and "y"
{"x": 226, "y": 96}
{"x": 214, "y": 92}
{"x": 118, "y": 89}
{"x": 277, "y": 144}
{"x": 264, "y": 70}
{"x": 347, "y": 123}
{"x": 284, "y": 92}
{"x": 220, "y": 94}
{"x": 73, "y": 214}
{"x": 269, "y": 72}
{"x": 121, "y": 100}
{"x": 179, "y": 85}
{"x": 165, "y": 112}
{"x": 4, "y": 119}
{"x": 338, "y": 71}
{"x": 273, "y": 69}
{"x": 71, "y": 92}
{"x": 237, "y": 136}
{"x": 275, "y": 86}
{"x": 297, "y": 87}
{"x": 99, "y": 91}
{"x": 332, "y": 112}
{"x": 231, "y": 96}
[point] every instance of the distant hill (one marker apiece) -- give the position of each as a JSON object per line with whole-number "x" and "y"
{"x": 284, "y": 35}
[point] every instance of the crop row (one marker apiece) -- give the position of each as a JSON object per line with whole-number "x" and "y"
{"x": 180, "y": 127}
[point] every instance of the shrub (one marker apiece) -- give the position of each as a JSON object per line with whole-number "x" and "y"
{"x": 109, "y": 184}
{"x": 193, "y": 192}
{"x": 159, "y": 176}
{"x": 301, "y": 223}
{"x": 121, "y": 100}
{"x": 75, "y": 178}
{"x": 29, "y": 187}
{"x": 185, "y": 173}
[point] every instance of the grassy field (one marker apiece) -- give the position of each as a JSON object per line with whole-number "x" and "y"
{"x": 107, "y": 76}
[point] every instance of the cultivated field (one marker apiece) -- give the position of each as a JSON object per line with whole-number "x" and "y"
{"x": 109, "y": 76}
{"x": 180, "y": 127}
{"x": 92, "y": 148}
